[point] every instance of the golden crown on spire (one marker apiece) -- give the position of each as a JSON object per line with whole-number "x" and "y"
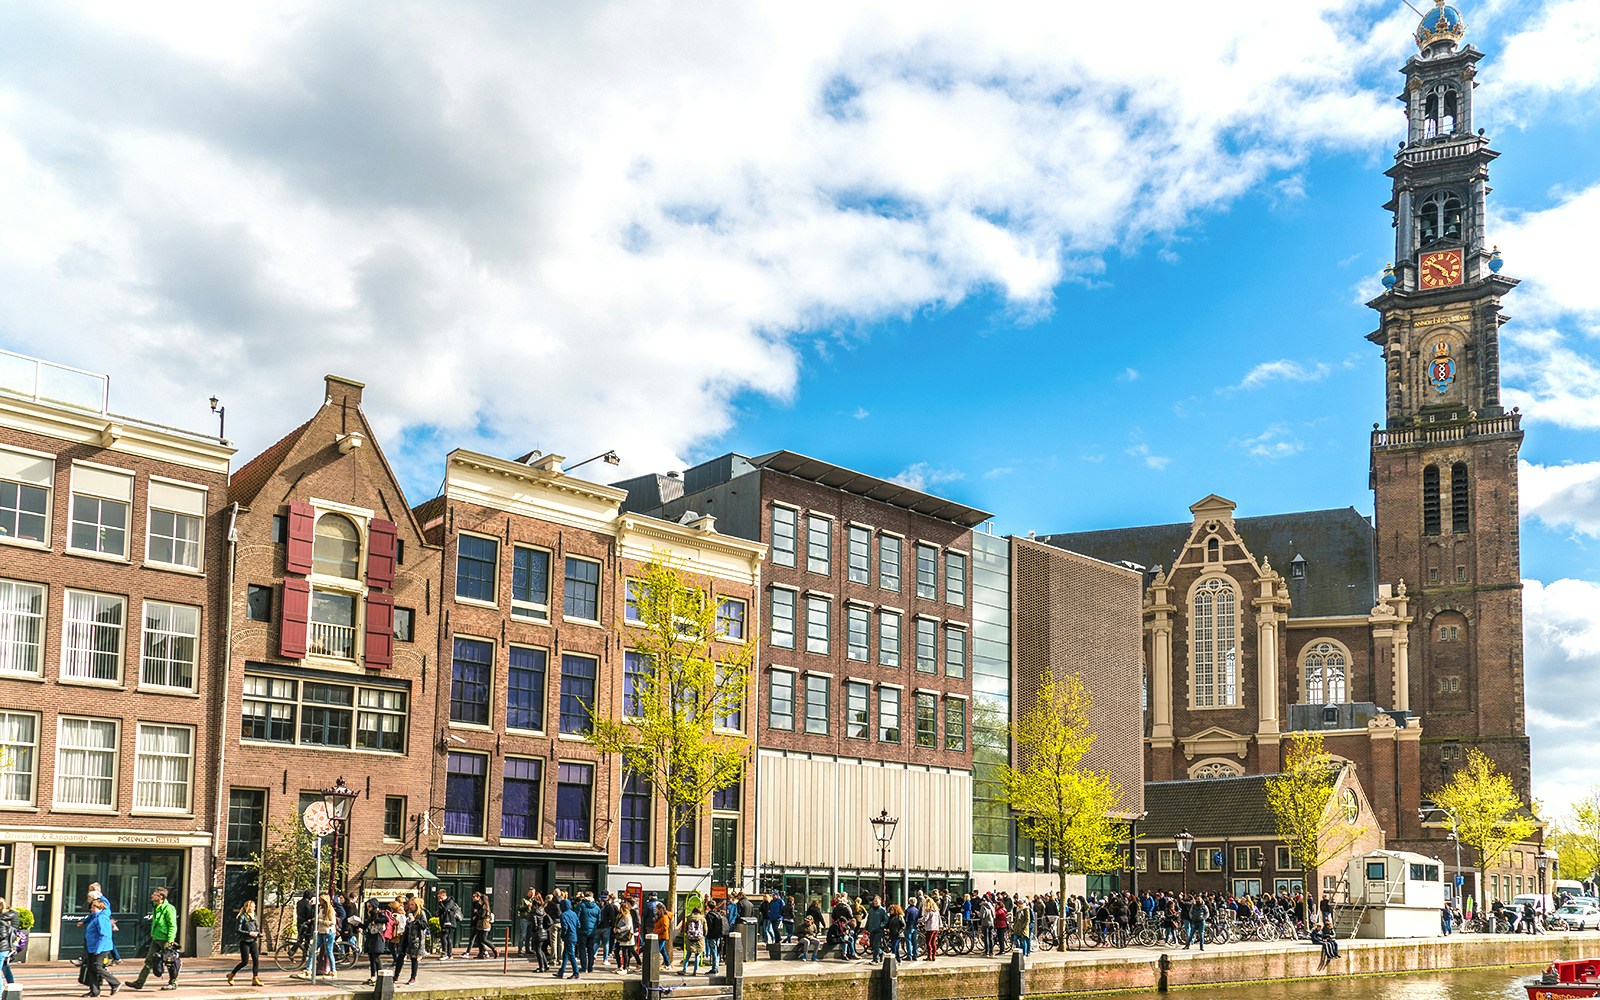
{"x": 1442, "y": 23}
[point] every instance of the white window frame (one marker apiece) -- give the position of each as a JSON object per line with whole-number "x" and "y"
{"x": 62, "y": 771}
{"x": 531, "y": 611}
{"x": 33, "y": 470}
{"x": 354, "y": 588}
{"x": 68, "y": 624}
{"x": 13, "y": 622}
{"x": 12, "y": 752}
{"x": 599, "y": 591}
{"x": 142, "y": 781}
{"x": 153, "y": 505}
{"x": 494, "y": 585}
{"x": 743, "y": 618}
{"x": 147, "y": 633}
{"x": 1213, "y": 658}
{"x": 106, "y": 473}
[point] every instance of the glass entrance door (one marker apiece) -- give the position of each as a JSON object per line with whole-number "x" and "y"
{"x": 127, "y": 879}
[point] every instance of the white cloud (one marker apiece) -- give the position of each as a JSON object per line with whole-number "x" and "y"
{"x": 1273, "y": 443}
{"x": 1142, "y": 453}
{"x": 1282, "y": 370}
{"x": 1562, "y": 659}
{"x": 1555, "y": 56}
{"x": 1562, "y": 496}
{"x": 590, "y": 226}
{"x": 998, "y": 471}
{"x": 861, "y": 413}
{"x": 922, "y": 475}
{"x": 1129, "y": 375}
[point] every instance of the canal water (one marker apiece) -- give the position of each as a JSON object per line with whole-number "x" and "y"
{"x": 1492, "y": 985}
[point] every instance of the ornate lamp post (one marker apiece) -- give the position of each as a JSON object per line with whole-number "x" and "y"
{"x": 883, "y": 831}
{"x": 339, "y": 801}
{"x": 1543, "y": 861}
{"x": 1185, "y": 841}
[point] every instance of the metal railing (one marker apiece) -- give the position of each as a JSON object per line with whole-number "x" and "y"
{"x": 48, "y": 382}
{"x": 1455, "y": 430}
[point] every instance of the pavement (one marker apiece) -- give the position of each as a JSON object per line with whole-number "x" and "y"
{"x": 203, "y": 979}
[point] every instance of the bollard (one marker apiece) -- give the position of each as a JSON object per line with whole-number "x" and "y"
{"x": 383, "y": 989}
{"x": 1164, "y": 963}
{"x": 650, "y": 965}
{"x": 13, "y": 991}
{"x": 889, "y": 979}
{"x": 1018, "y": 975}
{"x": 733, "y": 955}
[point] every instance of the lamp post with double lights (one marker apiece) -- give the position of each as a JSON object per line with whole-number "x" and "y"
{"x": 339, "y": 801}
{"x": 1185, "y": 841}
{"x": 883, "y": 826}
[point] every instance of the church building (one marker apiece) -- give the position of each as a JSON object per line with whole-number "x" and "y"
{"x": 1399, "y": 638}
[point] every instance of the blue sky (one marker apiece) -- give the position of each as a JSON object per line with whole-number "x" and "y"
{"x": 1073, "y": 272}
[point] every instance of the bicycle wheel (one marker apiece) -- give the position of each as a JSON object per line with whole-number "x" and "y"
{"x": 288, "y": 957}
{"x": 348, "y": 954}
{"x": 958, "y": 943}
{"x": 1222, "y": 934}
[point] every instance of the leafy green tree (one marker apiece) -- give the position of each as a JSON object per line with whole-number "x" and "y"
{"x": 285, "y": 866}
{"x": 669, "y": 732}
{"x": 1490, "y": 816}
{"x": 1299, "y": 798}
{"x": 1576, "y": 838}
{"x": 1061, "y": 804}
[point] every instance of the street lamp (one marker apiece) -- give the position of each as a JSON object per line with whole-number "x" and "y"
{"x": 883, "y": 831}
{"x": 1543, "y": 861}
{"x": 339, "y": 801}
{"x": 1422, "y": 815}
{"x": 1185, "y": 845}
{"x": 611, "y": 458}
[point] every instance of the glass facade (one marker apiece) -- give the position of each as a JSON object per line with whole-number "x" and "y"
{"x": 991, "y": 700}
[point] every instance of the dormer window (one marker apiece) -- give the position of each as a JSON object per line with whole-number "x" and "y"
{"x": 1441, "y": 218}
{"x": 337, "y": 549}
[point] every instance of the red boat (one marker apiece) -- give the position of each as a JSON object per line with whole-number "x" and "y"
{"x": 1566, "y": 979}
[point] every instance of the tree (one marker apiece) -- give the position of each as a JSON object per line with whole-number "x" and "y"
{"x": 669, "y": 732}
{"x": 1576, "y": 839}
{"x": 1061, "y": 804}
{"x": 1489, "y": 815}
{"x": 1299, "y": 798}
{"x": 285, "y": 867}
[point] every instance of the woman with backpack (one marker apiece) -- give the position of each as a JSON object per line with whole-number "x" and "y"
{"x": 694, "y": 940}
{"x": 379, "y": 935}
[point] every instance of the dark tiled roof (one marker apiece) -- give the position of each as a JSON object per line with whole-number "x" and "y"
{"x": 882, "y": 490}
{"x": 427, "y": 510}
{"x": 1209, "y": 807}
{"x": 246, "y": 484}
{"x": 1337, "y": 545}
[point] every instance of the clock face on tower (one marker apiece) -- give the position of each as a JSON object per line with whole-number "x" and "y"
{"x": 1439, "y": 269}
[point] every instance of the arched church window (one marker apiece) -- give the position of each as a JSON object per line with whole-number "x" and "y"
{"x": 1439, "y": 112}
{"x": 1459, "y": 498}
{"x": 1441, "y": 217}
{"x": 1430, "y": 500}
{"x": 1215, "y": 661}
{"x": 1213, "y": 550}
{"x": 1325, "y": 675}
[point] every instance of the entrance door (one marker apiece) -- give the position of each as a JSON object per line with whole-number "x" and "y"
{"x": 575, "y": 877}
{"x": 242, "y": 884}
{"x": 725, "y": 851}
{"x": 127, "y": 879}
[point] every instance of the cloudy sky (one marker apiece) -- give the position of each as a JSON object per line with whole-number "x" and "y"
{"x": 1076, "y": 265}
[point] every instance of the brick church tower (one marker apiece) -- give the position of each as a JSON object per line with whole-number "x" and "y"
{"x": 1444, "y": 462}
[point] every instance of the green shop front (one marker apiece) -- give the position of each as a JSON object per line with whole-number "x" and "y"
{"x": 508, "y": 875}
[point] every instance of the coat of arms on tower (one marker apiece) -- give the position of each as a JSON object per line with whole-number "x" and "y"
{"x": 1443, "y": 372}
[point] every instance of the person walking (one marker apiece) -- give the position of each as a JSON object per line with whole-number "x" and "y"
{"x": 932, "y": 924}
{"x": 449, "y": 918}
{"x": 608, "y": 920}
{"x": 1022, "y": 927}
{"x": 525, "y": 908}
{"x": 622, "y": 934}
{"x": 569, "y": 937}
{"x": 10, "y": 933}
{"x": 249, "y": 929}
{"x": 416, "y": 925}
{"x": 694, "y": 940}
{"x": 482, "y": 923}
{"x": 662, "y": 929}
{"x": 377, "y": 939}
{"x": 327, "y": 927}
{"x": 96, "y": 946}
{"x": 163, "y": 931}
{"x": 877, "y": 920}
{"x": 716, "y": 929}
{"x": 539, "y": 935}
{"x": 588, "y": 930}
{"x": 894, "y": 929}
{"x": 913, "y": 929}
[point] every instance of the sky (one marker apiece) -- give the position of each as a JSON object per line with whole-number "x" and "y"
{"x": 1079, "y": 266}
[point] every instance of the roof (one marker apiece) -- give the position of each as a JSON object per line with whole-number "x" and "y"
{"x": 396, "y": 868}
{"x": 427, "y": 510}
{"x": 248, "y": 482}
{"x": 880, "y": 490}
{"x": 1337, "y": 546}
{"x": 1208, "y": 807}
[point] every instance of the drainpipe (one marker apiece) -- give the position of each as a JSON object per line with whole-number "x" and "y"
{"x": 220, "y": 815}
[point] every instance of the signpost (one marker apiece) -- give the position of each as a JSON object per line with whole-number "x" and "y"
{"x": 319, "y": 823}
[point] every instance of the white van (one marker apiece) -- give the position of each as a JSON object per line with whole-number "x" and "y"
{"x": 1570, "y": 886}
{"x": 1542, "y": 905}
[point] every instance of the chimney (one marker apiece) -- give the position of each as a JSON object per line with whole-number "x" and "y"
{"x": 343, "y": 390}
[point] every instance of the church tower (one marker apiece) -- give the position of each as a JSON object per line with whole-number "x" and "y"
{"x": 1444, "y": 462}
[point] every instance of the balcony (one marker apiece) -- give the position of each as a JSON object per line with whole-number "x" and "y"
{"x": 1453, "y": 430}
{"x": 336, "y": 641}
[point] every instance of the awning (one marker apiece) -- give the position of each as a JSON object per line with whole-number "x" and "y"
{"x": 395, "y": 868}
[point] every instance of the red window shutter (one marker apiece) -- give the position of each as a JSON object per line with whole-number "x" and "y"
{"x": 380, "y": 631}
{"x": 301, "y": 526}
{"x": 296, "y": 613}
{"x": 381, "y": 538}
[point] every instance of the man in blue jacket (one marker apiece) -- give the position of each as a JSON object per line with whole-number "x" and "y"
{"x": 588, "y": 923}
{"x": 569, "y": 936}
{"x": 774, "y": 919}
{"x": 97, "y": 947}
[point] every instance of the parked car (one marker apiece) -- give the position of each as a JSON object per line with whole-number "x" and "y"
{"x": 1577, "y": 916}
